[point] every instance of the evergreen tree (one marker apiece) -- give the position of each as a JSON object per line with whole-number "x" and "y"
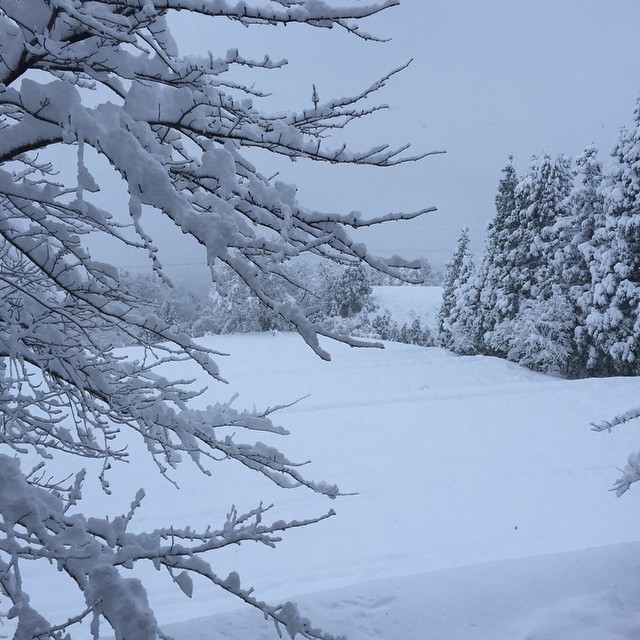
{"x": 497, "y": 290}
{"x": 614, "y": 320}
{"x": 555, "y": 260}
{"x": 586, "y": 204}
{"x": 466, "y": 339}
{"x": 542, "y": 199}
{"x": 538, "y": 331}
{"x": 459, "y": 271}
{"x": 581, "y": 253}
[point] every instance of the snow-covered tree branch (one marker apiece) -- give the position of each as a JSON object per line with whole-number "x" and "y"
{"x": 105, "y": 78}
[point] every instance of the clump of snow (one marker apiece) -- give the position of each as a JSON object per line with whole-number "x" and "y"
{"x": 123, "y": 602}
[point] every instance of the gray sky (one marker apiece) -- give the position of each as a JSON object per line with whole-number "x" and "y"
{"x": 488, "y": 79}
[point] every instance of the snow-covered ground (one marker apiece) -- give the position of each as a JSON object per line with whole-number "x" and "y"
{"x": 409, "y": 302}
{"x": 482, "y": 508}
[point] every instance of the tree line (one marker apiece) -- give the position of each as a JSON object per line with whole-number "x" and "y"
{"x": 339, "y": 297}
{"x": 558, "y": 287}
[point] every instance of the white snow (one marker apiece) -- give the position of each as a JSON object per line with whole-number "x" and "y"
{"x": 408, "y": 302}
{"x": 482, "y": 509}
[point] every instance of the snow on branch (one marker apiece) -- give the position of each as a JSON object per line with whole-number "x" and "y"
{"x": 315, "y": 13}
{"x": 92, "y": 552}
{"x": 623, "y": 418}
{"x": 631, "y": 471}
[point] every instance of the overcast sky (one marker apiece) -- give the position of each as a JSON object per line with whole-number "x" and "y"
{"x": 488, "y": 79}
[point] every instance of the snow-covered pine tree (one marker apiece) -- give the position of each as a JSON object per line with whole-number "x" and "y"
{"x": 455, "y": 311}
{"x": 545, "y": 228}
{"x": 499, "y": 292}
{"x": 555, "y": 237}
{"x": 614, "y": 319}
{"x": 451, "y": 274}
{"x": 586, "y": 205}
{"x": 466, "y": 338}
{"x": 577, "y": 261}
{"x": 83, "y": 82}
{"x": 542, "y": 198}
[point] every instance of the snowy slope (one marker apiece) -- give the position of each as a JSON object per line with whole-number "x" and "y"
{"x": 407, "y": 302}
{"x": 469, "y": 472}
{"x": 580, "y": 595}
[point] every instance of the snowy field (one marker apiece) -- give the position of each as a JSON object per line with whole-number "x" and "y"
{"x": 406, "y": 303}
{"x": 481, "y": 507}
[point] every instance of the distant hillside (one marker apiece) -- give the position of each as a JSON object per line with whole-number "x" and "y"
{"x": 405, "y": 303}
